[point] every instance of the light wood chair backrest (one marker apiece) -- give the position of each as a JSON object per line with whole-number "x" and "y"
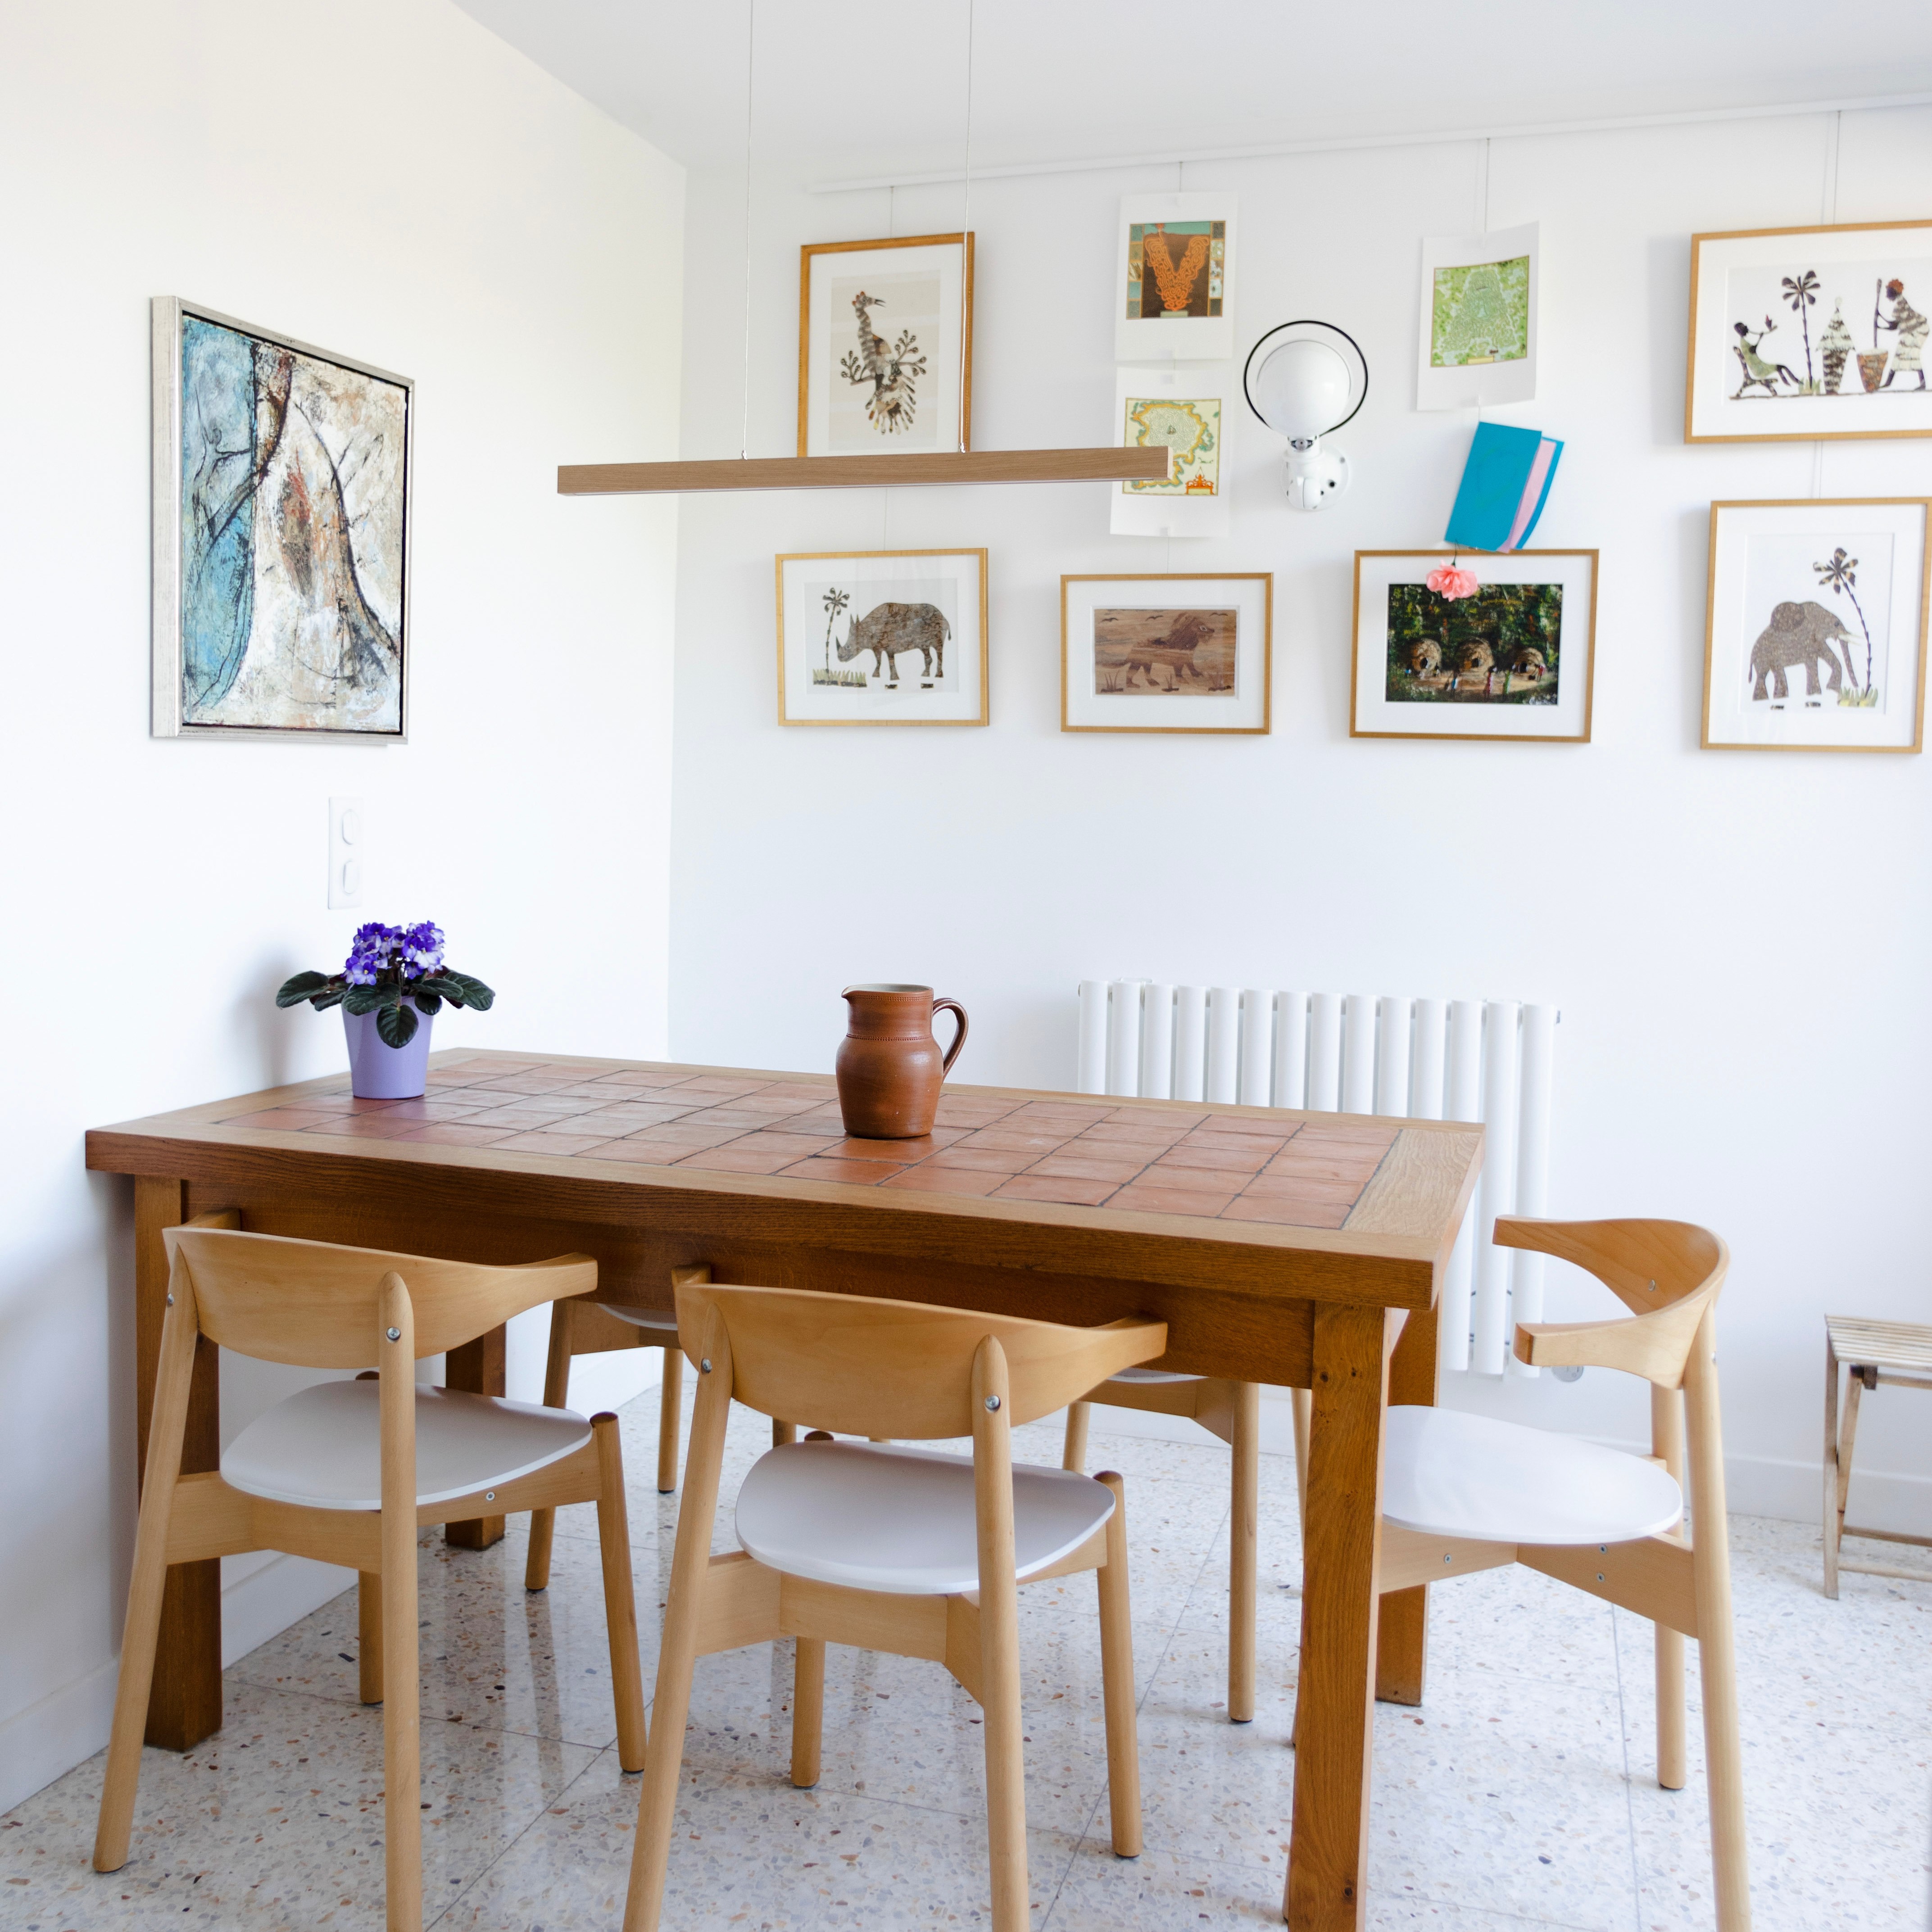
{"x": 900, "y": 1369}
{"x": 317, "y": 1306}
{"x": 1669, "y": 1273}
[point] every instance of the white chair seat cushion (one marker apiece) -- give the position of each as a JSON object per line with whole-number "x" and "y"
{"x": 322, "y": 1446}
{"x": 1449, "y": 1474}
{"x": 660, "y": 1319}
{"x": 875, "y": 1517}
{"x": 1147, "y": 1375}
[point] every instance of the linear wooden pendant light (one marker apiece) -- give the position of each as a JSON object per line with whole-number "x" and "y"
{"x": 1133, "y": 464}
{"x": 1136, "y": 463}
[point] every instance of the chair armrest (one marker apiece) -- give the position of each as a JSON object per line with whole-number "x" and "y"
{"x": 1655, "y": 1346}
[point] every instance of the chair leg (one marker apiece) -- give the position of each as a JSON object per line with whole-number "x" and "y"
{"x": 1667, "y": 1442}
{"x": 783, "y": 1432}
{"x": 670, "y": 1412}
{"x": 556, "y": 1395}
{"x": 1074, "y": 1457}
{"x": 1117, "y": 1681}
{"x": 369, "y": 1636}
{"x": 1833, "y": 1520}
{"x": 1717, "y": 1642}
{"x": 808, "y": 1711}
{"x": 999, "y": 1640}
{"x": 402, "y": 1707}
{"x": 166, "y": 1430}
{"x": 1241, "y": 1532}
{"x": 620, "y": 1609}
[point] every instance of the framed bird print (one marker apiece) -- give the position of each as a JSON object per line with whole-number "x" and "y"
{"x": 1174, "y": 283}
{"x": 1815, "y": 625}
{"x": 885, "y": 346}
{"x": 1810, "y": 333}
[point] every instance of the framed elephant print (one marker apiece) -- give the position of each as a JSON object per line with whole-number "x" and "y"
{"x": 882, "y": 637}
{"x": 1511, "y": 654}
{"x": 1815, "y": 625}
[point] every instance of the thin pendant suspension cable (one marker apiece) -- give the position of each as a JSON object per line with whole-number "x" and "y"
{"x": 966, "y": 232}
{"x": 751, "y": 51}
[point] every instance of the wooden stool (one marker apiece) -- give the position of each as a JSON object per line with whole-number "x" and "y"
{"x": 910, "y": 1552}
{"x": 1232, "y": 1411}
{"x": 1880, "y": 1354}
{"x": 346, "y": 1472}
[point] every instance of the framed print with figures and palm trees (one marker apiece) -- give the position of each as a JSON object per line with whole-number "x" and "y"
{"x": 885, "y": 346}
{"x": 882, "y": 637}
{"x": 1815, "y": 625}
{"x": 1810, "y": 333}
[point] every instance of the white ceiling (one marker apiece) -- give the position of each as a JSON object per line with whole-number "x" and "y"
{"x": 845, "y": 89}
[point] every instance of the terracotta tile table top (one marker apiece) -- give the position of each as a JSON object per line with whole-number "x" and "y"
{"x": 1256, "y": 1167}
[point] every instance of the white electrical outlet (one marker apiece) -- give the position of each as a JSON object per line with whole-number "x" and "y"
{"x": 347, "y": 838}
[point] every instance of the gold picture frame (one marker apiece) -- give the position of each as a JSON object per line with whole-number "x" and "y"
{"x": 1800, "y": 538}
{"x": 918, "y": 625}
{"x": 1758, "y": 270}
{"x": 947, "y": 363}
{"x": 1382, "y": 706}
{"x": 1230, "y": 691}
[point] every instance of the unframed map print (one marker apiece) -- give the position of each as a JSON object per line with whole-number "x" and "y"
{"x": 1480, "y": 313}
{"x": 1190, "y": 426}
{"x": 1477, "y": 342}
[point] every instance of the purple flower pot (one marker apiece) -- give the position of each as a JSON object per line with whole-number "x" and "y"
{"x": 380, "y": 1072}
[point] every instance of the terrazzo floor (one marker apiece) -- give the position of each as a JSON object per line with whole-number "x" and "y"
{"x": 1521, "y": 1794}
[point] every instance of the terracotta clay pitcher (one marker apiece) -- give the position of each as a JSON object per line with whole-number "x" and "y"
{"x": 889, "y": 1066}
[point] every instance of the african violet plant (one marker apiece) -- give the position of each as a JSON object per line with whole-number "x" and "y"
{"x": 394, "y": 972}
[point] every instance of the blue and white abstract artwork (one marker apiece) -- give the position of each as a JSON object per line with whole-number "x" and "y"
{"x": 292, "y": 528}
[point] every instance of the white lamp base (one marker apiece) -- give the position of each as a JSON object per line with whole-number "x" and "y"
{"x": 1316, "y": 477}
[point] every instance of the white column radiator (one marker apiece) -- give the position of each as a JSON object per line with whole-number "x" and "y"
{"x": 1426, "y": 1060}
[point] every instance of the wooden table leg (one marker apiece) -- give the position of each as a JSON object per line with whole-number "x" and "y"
{"x": 184, "y": 1705}
{"x": 477, "y": 1368}
{"x": 1328, "y": 1859}
{"x": 1402, "y": 1634}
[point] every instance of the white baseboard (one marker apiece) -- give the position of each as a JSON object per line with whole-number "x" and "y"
{"x": 47, "y": 1739}
{"x": 265, "y": 1592}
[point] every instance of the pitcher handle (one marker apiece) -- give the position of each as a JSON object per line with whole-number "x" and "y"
{"x": 958, "y": 1039}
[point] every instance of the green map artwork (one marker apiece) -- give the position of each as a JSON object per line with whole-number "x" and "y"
{"x": 1191, "y": 427}
{"x": 1480, "y": 314}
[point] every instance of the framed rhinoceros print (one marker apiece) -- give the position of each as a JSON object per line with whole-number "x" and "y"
{"x": 882, "y": 637}
{"x": 1504, "y": 648}
{"x": 1815, "y": 625}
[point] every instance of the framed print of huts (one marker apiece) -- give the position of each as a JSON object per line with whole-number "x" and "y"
{"x": 1180, "y": 651}
{"x": 1810, "y": 333}
{"x": 1815, "y": 625}
{"x": 882, "y": 637}
{"x": 281, "y": 535}
{"x": 1515, "y": 660}
{"x": 885, "y": 346}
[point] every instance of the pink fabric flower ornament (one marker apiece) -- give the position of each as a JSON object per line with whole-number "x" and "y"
{"x": 1448, "y": 581}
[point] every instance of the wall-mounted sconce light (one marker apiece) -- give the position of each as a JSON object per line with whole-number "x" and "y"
{"x": 1305, "y": 380}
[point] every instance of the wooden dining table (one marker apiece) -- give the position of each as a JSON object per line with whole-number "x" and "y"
{"x": 1303, "y": 1249}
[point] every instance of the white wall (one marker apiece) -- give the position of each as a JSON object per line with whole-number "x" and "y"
{"x": 388, "y": 179}
{"x": 1738, "y": 940}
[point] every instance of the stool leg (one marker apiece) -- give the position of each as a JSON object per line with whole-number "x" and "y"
{"x": 1241, "y": 1530}
{"x": 670, "y": 1398}
{"x": 1117, "y": 1681}
{"x": 369, "y": 1636}
{"x": 808, "y": 1711}
{"x": 1833, "y": 1520}
{"x": 1074, "y": 1457}
{"x": 556, "y": 1395}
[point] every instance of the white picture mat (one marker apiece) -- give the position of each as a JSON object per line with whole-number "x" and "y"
{"x": 1140, "y": 513}
{"x": 1483, "y": 383}
{"x": 1245, "y": 709}
{"x": 1374, "y": 714}
{"x": 1201, "y": 338}
{"x": 834, "y": 329}
{"x": 1732, "y": 716}
{"x": 1714, "y": 370}
{"x": 874, "y": 579}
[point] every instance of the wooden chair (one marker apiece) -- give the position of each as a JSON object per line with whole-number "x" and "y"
{"x": 1463, "y": 1492}
{"x": 1232, "y": 1411}
{"x": 347, "y": 1471}
{"x": 903, "y": 1550}
{"x": 1879, "y": 1355}
{"x": 594, "y": 1327}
